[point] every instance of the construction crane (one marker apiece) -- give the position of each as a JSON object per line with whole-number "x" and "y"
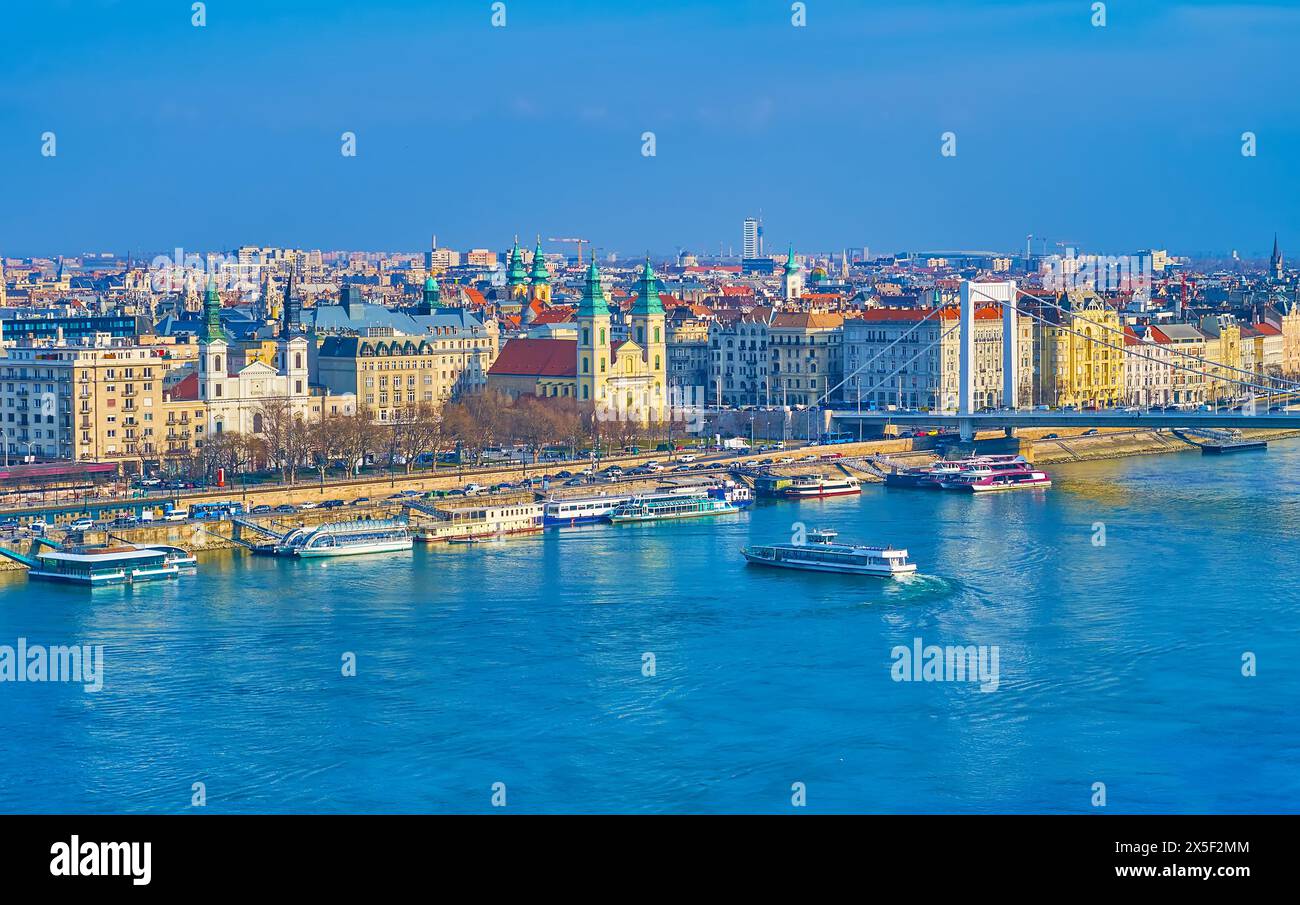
{"x": 579, "y": 242}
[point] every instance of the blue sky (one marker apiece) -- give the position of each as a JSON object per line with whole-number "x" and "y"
{"x": 1113, "y": 138}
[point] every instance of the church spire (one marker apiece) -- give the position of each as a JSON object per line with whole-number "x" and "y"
{"x": 541, "y": 274}
{"x": 431, "y": 300}
{"x": 288, "y": 307}
{"x": 592, "y": 303}
{"x": 212, "y": 331}
{"x": 647, "y": 293}
{"x": 517, "y": 275}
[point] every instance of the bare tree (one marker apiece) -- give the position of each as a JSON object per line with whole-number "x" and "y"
{"x": 327, "y": 442}
{"x": 417, "y": 431}
{"x": 359, "y": 438}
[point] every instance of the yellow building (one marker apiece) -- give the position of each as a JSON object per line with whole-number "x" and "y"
{"x": 807, "y": 356}
{"x": 1223, "y": 349}
{"x": 389, "y": 372}
{"x": 96, "y": 402}
{"x": 1080, "y": 353}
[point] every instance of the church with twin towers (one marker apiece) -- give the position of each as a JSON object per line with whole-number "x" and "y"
{"x": 615, "y": 379}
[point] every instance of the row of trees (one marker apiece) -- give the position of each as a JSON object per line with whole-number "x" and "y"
{"x": 417, "y": 435}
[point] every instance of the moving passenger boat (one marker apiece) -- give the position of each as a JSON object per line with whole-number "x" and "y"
{"x": 987, "y": 477}
{"x": 822, "y": 554}
{"x": 96, "y": 566}
{"x": 654, "y": 507}
{"x": 346, "y": 538}
{"x": 816, "y": 486}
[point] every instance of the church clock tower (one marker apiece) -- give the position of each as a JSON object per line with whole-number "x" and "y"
{"x": 593, "y": 341}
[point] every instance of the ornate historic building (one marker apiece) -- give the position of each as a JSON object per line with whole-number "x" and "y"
{"x": 616, "y": 379}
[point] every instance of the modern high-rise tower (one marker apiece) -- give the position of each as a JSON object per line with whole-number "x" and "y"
{"x": 753, "y": 246}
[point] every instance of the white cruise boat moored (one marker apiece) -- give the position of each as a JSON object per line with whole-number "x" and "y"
{"x": 346, "y": 538}
{"x": 102, "y": 565}
{"x": 822, "y": 554}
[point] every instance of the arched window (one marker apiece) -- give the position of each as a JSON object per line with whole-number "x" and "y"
{"x": 297, "y": 360}
{"x": 257, "y": 423}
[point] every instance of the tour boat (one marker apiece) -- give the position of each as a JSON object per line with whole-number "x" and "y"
{"x": 470, "y": 524}
{"x": 562, "y": 512}
{"x": 654, "y": 507}
{"x": 96, "y": 566}
{"x": 346, "y": 538}
{"x": 997, "y": 476}
{"x": 822, "y": 554}
{"x": 815, "y": 486}
{"x": 932, "y": 476}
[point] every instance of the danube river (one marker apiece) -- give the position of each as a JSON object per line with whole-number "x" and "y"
{"x": 523, "y": 662}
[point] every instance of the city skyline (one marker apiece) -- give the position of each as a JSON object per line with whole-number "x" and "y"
{"x": 833, "y": 131}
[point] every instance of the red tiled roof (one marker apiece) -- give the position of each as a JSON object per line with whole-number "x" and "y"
{"x": 558, "y": 314}
{"x": 187, "y": 390}
{"x": 537, "y": 358}
{"x": 1267, "y": 329}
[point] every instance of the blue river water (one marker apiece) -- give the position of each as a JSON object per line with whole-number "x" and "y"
{"x": 523, "y": 663}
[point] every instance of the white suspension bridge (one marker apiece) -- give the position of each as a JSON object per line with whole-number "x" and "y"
{"x": 1260, "y": 401}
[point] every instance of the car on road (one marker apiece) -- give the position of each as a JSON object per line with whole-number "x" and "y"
{"x": 360, "y": 501}
{"x": 260, "y": 509}
{"x": 686, "y": 457}
{"x": 332, "y": 504}
{"x": 472, "y": 488}
{"x": 285, "y": 508}
{"x": 310, "y": 504}
{"x": 1090, "y": 432}
{"x": 564, "y": 474}
{"x": 81, "y": 524}
{"x": 1051, "y": 436}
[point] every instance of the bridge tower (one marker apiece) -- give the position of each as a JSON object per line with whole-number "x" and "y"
{"x": 973, "y": 295}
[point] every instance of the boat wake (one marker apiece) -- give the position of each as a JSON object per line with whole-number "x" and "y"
{"x": 920, "y": 586}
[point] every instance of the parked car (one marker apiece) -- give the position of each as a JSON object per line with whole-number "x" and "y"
{"x": 471, "y": 489}
{"x": 81, "y": 524}
{"x": 564, "y": 474}
{"x": 1090, "y": 432}
{"x": 1051, "y": 436}
{"x": 285, "y": 508}
{"x": 332, "y": 504}
{"x": 310, "y": 504}
{"x": 360, "y": 501}
{"x": 260, "y": 509}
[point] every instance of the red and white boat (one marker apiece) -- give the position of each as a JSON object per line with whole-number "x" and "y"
{"x": 990, "y": 476}
{"x": 816, "y": 486}
{"x": 932, "y": 476}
